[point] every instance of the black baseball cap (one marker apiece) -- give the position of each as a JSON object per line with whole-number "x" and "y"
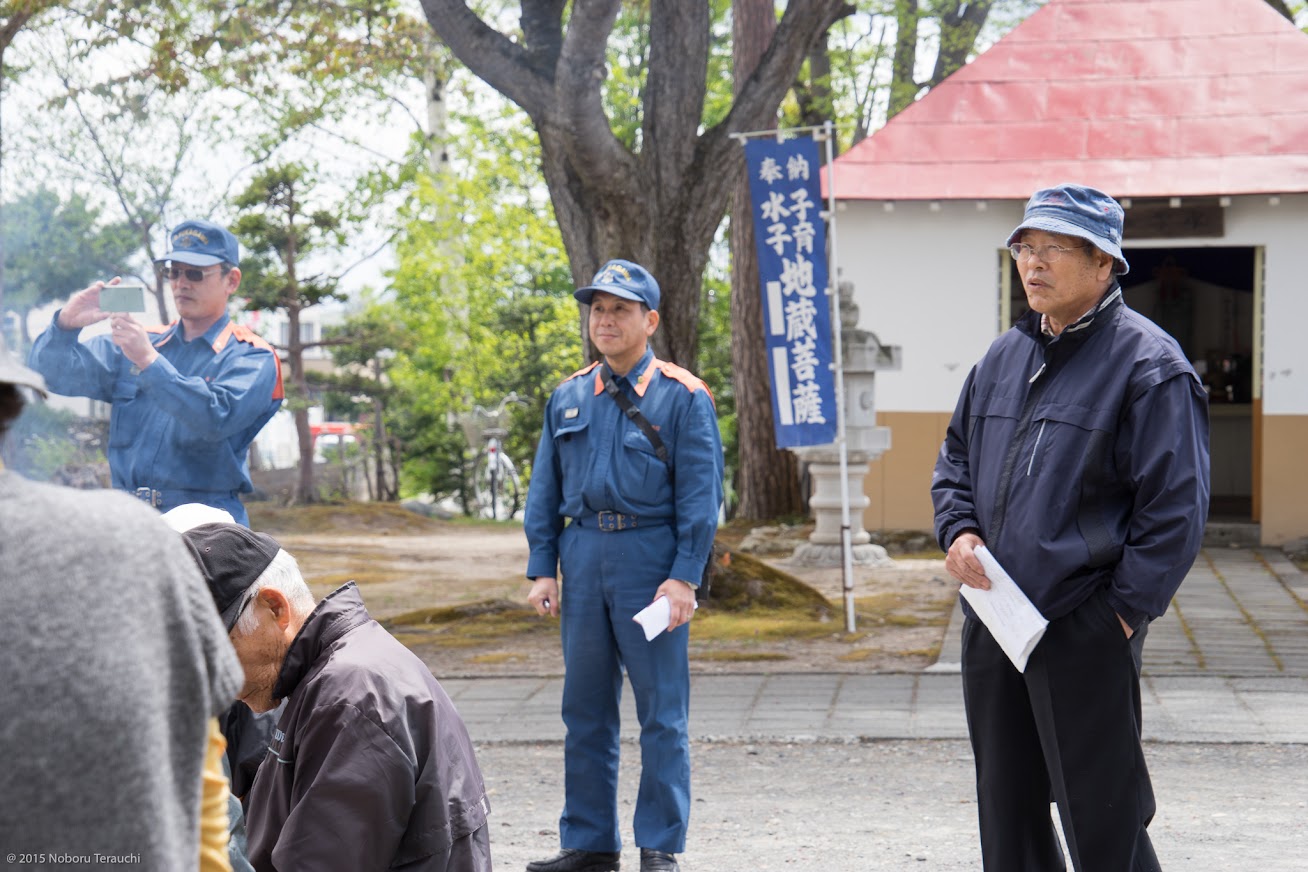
{"x": 232, "y": 558}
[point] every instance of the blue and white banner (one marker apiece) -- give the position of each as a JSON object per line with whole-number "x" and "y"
{"x": 786, "y": 194}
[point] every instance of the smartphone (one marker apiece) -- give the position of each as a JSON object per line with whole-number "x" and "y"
{"x": 125, "y": 297}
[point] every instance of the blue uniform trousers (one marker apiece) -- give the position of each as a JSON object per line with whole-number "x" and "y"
{"x": 607, "y": 578}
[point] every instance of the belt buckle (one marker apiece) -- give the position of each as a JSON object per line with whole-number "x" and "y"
{"x": 611, "y": 522}
{"x": 149, "y": 496}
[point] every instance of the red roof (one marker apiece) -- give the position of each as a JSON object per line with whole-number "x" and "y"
{"x": 1137, "y": 97}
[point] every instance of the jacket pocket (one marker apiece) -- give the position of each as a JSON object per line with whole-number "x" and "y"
{"x": 572, "y": 445}
{"x": 649, "y": 476}
{"x": 1063, "y": 436}
{"x": 125, "y": 420}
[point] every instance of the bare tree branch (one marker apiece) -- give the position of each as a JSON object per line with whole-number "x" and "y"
{"x": 490, "y": 55}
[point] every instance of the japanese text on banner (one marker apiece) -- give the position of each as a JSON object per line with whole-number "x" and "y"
{"x": 790, "y": 241}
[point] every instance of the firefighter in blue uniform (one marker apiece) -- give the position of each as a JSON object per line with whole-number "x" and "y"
{"x": 188, "y": 398}
{"x": 629, "y": 524}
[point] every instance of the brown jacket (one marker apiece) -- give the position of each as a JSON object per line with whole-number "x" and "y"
{"x": 370, "y": 766}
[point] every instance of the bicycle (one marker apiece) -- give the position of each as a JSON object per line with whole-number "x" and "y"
{"x": 496, "y": 487}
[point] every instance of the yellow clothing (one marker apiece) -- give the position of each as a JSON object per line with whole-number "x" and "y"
{"x": 213, "y": 805}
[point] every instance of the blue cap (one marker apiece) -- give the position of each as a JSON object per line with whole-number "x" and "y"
{"x": 624, "y": 279}
{"x": 201, "y": 243}
{"x": 1075, "y": 210}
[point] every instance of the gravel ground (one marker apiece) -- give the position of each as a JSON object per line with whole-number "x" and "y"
{"x": 904, "y": 806}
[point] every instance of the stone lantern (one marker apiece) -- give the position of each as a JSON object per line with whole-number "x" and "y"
{"x": 864, "y": 356}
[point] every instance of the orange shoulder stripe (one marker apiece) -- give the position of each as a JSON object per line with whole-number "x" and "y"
{"x": 686, "y": 377}
{"x": 244, "y": 334}
{"x": 580, "y": 372}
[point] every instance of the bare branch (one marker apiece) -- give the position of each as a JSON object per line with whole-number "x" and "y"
{"x": 490, "y": 55}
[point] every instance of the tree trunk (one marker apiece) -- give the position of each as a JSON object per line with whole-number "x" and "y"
{"x": 959, "y": 28}
{"x": 767, "y": 482}
{"x": 1279, "y": 6}
{"x": 160, "y": 300}
{"x": 305, "y": 492}
{"x": 903, "y": 85}
{"x": 379, "y": 435}
{"x": 304, "y": 489}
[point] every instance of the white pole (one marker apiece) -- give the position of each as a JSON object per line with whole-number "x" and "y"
{"x": 846, "y": 536}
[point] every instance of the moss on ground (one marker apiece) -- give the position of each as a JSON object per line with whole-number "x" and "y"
{"x": 735, "y": 656}
{"x": 467, "y": 626}
{"x": 343, "y": 518}
{"x": 741, "y": 582}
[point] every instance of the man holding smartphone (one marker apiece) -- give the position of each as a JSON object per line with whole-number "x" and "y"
{"x": 189, "y": 397}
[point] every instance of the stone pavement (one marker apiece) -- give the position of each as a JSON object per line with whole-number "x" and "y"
{"x": 1227, "y": 663}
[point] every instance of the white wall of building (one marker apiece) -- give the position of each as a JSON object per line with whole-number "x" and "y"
{"x": 1281, "y": 229}
{"x": 926, "y": 279}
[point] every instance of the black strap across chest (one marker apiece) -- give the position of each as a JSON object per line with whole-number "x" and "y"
{"x": 633, "y": 413}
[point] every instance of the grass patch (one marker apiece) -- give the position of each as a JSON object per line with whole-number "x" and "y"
{"x": 485, "y": 523}
{"x": 858, "y": 655}
{"x": 336, "y": 579}
{"x": 902, "y": 609}
{"x": 734, "y": 627}
{"x": 485, "y": 622}
{"x": 740, "y": 656}
{"x": 497, "y": 659}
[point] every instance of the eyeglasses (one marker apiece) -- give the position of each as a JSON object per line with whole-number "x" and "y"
{"x": 249, "y": 598}
{"x": 192, "y": 274}
{"x": 1045, "y": 253}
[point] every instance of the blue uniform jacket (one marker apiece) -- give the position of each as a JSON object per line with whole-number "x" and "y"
{"x": 1082, "y": 462}
{"x": 186, "y": 421}
{"x": 591, "y": 458}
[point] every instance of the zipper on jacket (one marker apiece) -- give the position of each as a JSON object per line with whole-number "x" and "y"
{"x": 1036, "y": 448}
{"x": 1019, "y": 436}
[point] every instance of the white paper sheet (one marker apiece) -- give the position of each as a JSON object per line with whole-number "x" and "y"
{"x": 1016, "y": 624}
{"x": 654, "y": 618}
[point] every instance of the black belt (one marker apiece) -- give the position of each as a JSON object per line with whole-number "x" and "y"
{"x": 614, "y": 522}
{"x": 156, "y": 498}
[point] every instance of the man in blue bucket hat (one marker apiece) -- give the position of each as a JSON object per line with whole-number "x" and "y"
{"x": 187, "y": 398}
{"x": 624, "y": 498}
{"x": 1078, "y": 455}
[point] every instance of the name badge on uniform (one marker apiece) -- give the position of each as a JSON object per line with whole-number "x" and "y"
{"x": 571, "y": 413}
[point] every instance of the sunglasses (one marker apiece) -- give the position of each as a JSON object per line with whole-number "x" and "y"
{"x": 192, "y": 273}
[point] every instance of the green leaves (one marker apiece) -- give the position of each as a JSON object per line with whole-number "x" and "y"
{"x": 55, "y": 246}
{"x": 279, "y": 232}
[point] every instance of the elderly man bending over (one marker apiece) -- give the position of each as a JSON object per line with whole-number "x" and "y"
{"x": 370, "y": 766}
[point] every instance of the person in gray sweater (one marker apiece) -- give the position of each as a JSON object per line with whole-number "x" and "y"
{"x": 112, "y": 662}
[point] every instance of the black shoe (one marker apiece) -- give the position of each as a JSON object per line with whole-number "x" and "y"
{"x": 570, "y": 860}
{"x": 657, "y": 861}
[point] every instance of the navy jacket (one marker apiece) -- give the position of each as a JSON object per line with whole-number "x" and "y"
{"x": 1082, "y": 462}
